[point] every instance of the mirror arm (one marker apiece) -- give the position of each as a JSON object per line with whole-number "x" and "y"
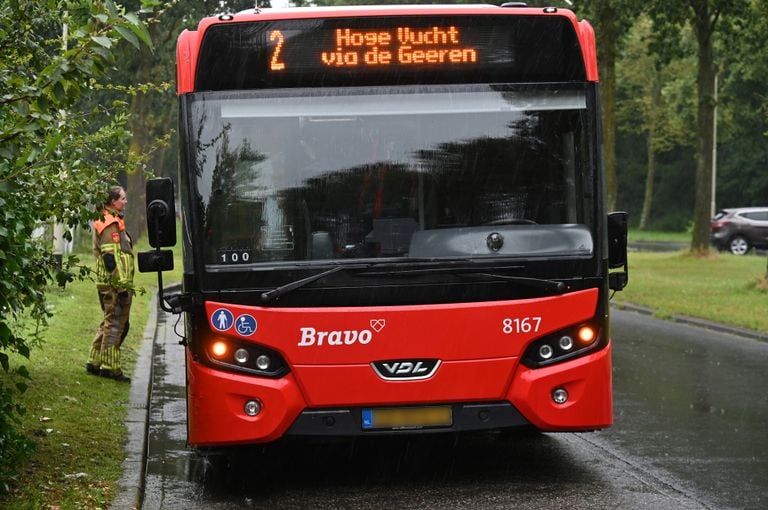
{"x": 618, "y": 280}
{"x": 152, "y": 210}
{"x": 175, "y": 303}
{"x": 160, "y": 297}
{"x": 617, "y": 251}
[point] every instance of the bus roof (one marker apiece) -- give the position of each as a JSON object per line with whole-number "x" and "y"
{"x": 189, "y": 41}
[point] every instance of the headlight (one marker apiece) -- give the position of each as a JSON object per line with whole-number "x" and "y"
{"x": 240, "y": 356}
{"x": 563, "y": 345}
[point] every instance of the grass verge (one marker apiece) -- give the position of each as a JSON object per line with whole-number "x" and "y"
{"x": 658, "y": 236}
{"x": 722, "y": 288}
{"x": 76, "y": 420}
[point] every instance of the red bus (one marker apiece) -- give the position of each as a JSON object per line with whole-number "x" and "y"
{"x": 393, "y": 222}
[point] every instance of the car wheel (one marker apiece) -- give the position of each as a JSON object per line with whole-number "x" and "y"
{"x": 739, "y": 245}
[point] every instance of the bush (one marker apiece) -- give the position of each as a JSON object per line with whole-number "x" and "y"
{"x": 54, "y": 162}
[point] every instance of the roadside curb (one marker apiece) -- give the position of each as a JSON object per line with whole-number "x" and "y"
{"x": 137, "y": 420}
{"x": 693, "y": 321}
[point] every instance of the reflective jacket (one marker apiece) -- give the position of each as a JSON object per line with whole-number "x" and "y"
{"x": 111, "y": 239}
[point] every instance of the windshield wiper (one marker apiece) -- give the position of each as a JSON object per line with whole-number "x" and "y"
{"x": 448, "y": 267}
{"x": 275, "y": 293}
{"x": 552, "y": 286}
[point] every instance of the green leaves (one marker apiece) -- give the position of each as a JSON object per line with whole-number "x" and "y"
{"x": 102, "y": 41}
{"x": 118, "y": 24}
{"x": 137, "y": 28}
{"x": 128, "y": 35}
{"x": 134, "y": 32}
{"x": 55, "y": 157}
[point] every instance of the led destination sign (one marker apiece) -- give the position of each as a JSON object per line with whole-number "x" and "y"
{"x": 348, "y": 48}
{"x": 388, "y": 50}
{"x": 403, "y": 45}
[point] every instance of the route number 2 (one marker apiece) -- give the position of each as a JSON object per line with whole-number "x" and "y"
{"x": 274, "y": 63}
{"x": 520, "y": 325}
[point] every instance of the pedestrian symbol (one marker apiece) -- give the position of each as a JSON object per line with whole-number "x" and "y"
{"x": 246, "y": 325}
{"x": 222, "y": 319}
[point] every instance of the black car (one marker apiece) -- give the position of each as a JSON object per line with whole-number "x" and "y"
{"x": 739, "y": 230}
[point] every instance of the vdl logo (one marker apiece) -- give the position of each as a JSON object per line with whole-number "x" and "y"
{"x": 406, "y": 370}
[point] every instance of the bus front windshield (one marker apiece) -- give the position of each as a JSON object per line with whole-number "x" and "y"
{"x": 359, "y": 173}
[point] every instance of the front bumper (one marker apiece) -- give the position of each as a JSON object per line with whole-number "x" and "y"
{"x": 216, "y": 402}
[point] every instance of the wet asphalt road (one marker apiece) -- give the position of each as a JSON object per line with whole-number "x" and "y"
{"x": 689, "y": 432}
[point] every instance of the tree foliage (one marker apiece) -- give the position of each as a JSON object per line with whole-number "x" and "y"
{"x": 148, "y": 77}
{"x": 742, "y": 178}
{"x": 706, "y": 19}
{"x": 611, "y": 20}
{"x": 55, "y": 160}
{"x": 671, "y": 45}
{"x": 654, "y": 101}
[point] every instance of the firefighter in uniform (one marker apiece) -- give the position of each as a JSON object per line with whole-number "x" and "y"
{"x": 113, "y": 250}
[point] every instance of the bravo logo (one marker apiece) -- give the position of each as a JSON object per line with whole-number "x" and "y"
{"x": 311, "y": 336}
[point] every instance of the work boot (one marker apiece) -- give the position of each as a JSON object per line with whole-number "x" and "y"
{"x": 117, "y": 377}
{"x": 91, "y": 369}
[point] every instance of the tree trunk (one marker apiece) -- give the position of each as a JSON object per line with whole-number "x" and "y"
{"x": 645, "y": 215}
{"x": 136, "y": 219}
{"x": 606, "y": 49}
{"x": 704, "y": 28}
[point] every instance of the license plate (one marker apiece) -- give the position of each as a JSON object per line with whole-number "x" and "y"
{"x": 394, "y": 418}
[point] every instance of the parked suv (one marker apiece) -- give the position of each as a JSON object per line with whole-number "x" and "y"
{"x": 738, "y": 230}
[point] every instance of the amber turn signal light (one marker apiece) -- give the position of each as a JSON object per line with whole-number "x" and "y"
{"x": 219, "y": 349}
{"x": 587, "y": 335}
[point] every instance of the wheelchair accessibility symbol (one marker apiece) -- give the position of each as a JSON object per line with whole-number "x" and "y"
{"x": 246, "y": 325}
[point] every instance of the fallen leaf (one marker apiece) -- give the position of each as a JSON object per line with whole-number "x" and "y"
{"x": 76, "y": 475}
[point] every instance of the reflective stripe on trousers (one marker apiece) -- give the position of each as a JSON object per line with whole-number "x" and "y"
{"x": 105, "y": 348}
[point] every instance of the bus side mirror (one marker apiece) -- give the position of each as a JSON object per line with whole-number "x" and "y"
{"x": 161, "y": 213}
{"x": 161, "y": 227}
{"x": 154, "y": 261}
{"x": 617, "y": 250}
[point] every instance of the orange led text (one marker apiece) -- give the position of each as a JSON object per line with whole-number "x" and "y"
{"x": 402, "y": 45}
